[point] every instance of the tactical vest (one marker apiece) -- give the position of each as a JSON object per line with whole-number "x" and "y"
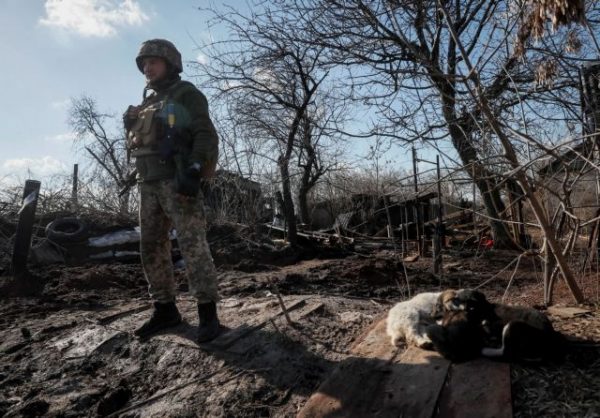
{"x": 145, "y": 138}
{"x": 148, "y": 130}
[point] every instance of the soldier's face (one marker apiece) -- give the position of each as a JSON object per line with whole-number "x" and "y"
{"x": 155, "y": 68}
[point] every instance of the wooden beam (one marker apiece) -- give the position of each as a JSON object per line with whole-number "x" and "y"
{"x": 477, "y": 389}
{"x": 25, "y": 227}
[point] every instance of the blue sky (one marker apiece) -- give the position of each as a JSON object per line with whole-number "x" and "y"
{"x": 54, "y": 50}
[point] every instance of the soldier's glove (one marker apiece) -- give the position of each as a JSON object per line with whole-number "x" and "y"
{"x": 187, "y": 183}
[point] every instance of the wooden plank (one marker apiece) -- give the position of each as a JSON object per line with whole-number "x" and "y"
{"x": 413, "y": 385}
{"x": 375, "y": 342}
{"x": 349, "y": 391}
{"x": 477, "y": 389}
{"x": 379, "y": 382}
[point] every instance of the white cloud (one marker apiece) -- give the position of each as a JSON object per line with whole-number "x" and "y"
{"x": 201, "y": 58}
{"x": 60, "y": 104}
{"x": 61, "y": 138}
{"x": 93, "y": 18}
{"x": 36, "y": 167}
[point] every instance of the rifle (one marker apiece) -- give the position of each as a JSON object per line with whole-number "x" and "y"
{"x": 129, "y": 182}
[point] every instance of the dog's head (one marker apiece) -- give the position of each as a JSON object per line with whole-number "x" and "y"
{"x": 446, "y": 302}
{"x": 474, "y": 302}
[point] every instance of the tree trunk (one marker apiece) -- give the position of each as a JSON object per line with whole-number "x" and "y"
{"x": 488, "y": 188}
{"x": 460, "y": 130}
{"x": 288, "y": 203}
{"x": 303, "y": 204}
{"x": 124, "y": 203}
{"x": 309, "y": 176}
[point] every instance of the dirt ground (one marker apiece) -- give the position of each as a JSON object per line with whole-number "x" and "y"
{"x": 68, "y": 351}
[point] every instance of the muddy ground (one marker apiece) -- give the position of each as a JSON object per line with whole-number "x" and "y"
{"x": 67, "y": 351}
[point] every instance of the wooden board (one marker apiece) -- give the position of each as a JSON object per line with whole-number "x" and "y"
{"x": 477, "y": 389}
{"x": 349, "y": 391}
{"x": 413, "y": 385}
{"x": 374, "y": 387}
{"x": 380, "y": 382}
{"x": 374, "y": 342}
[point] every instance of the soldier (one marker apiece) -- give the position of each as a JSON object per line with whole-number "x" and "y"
{"x": 175, "y": 146}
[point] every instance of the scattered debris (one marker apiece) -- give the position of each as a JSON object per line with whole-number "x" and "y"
{"x": 68, "y": 349}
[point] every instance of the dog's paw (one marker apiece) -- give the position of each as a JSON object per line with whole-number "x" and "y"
{"x": 424, "y": 343}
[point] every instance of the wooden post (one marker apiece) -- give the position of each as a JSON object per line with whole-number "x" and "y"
{"x": 74, "y": 200}
{"x": 439, "y": 235}
{"x": 25, "y": 227}
{"x": 416, "y": 206}
{"x": 403, "y": 222}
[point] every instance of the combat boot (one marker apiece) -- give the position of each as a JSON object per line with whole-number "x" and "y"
{"x": 208, "y": 323}
{"x": 165, "y": 316}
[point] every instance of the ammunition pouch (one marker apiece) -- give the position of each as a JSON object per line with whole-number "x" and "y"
{"x": 147, "y": 129}
{"x": 152, "y": 167}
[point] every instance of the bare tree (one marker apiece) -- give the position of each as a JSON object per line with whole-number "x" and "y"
{"x": 316, "y": 146}
{"x": 106, "y": 151}
{"x": 273, "y": 84}
{"x": 402, "y": 59}
{"x": 437, "y": 70}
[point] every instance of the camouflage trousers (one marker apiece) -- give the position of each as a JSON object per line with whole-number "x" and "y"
{"x": 161, "y": 208}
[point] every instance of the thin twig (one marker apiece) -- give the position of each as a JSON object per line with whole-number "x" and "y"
{"x": 497, "y": 274}
{"x": 283, "y": 308}
{"x": 512, "y": 276}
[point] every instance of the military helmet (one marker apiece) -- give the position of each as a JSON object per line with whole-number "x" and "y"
{"x": 160, "y": 48}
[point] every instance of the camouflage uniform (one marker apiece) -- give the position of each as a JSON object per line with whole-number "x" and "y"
{"x": 161, "y": 206}
{"x": 159, "y": 203}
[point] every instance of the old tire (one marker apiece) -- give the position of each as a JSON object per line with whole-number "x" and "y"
{"x": 64, "y": 230}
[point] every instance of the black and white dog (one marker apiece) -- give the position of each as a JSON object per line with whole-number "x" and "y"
{"x": 473, "y": 326}
{"x": 457, "y": 334}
